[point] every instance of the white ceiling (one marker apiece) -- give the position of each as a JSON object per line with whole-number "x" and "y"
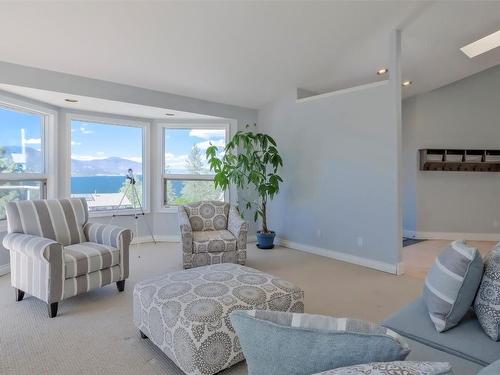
{"x": 86, "y": 103}
{"x": 247, "y": 53}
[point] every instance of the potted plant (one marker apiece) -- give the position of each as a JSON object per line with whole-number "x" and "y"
{"x": 250, "y": 160}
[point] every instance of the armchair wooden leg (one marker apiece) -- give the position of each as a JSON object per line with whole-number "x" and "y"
{"x": 120, "y": 285}
{"x": 53, "y": 309}
{"x": 19, "y": 294}
{"x": 143, "y": 336}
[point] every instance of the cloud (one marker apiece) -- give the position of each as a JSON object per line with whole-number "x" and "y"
{"x": 33, "y": 141}
{"x": 87, "y": 157}
{"x": 73, "y": 143}
{"x": 84, "y": 130}
{"x": 175, "y": 162}
{"x": 206, "y": 144}
{"x": 207, "y": 133}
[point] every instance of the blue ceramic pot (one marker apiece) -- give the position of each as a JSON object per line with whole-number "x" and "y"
{"x": 265, "y": 240}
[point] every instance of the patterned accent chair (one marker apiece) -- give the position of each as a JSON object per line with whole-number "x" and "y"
{"x": 212, "y": 232}
{"x": 56, "y": 254}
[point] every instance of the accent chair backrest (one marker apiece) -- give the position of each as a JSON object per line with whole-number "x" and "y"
{"x": 61, "y": 220}
{"x": 207, "y": 215}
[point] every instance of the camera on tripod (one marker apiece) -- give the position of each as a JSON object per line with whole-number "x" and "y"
{"x": 130, "y": 176}
{"x": 137, "y": 211}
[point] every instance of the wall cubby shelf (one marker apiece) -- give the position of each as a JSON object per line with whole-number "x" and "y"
{"x": 460, "y": 160}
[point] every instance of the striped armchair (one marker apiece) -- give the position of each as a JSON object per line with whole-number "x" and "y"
{"x": 212, "y": 232}
{"x": 56, "y": 254}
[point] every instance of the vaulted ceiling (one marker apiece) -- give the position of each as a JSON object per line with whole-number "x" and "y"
{"x": 247, "y": 53}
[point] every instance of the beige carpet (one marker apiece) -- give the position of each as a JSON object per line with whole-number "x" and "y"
{"x": 94, "y": 333}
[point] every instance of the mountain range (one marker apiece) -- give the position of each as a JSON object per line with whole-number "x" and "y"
{"x": 113, "y": 166}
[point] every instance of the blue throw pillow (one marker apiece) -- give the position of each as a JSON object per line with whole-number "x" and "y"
{"x": 281, "y": 343}
{"x": 452, "y": 283}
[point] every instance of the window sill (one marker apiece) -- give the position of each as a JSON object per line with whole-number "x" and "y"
{"x": 127, "y": 212}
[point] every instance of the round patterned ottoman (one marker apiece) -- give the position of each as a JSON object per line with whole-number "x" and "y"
{"x": 186, "y": 313}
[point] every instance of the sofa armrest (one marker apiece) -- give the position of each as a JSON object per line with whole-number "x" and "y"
{"x": 186, "y": 231}
{"x": 45, "y": 279}
{"x": 114, "y": 236}
{"x": 238, "y": 227}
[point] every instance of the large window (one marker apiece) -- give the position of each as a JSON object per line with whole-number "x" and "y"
{"x": 186, "y": 175}
{"x": 101, "y": 156}
{"x": 22, "y": 156}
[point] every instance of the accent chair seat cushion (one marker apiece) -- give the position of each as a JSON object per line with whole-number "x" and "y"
{"x": 467, "y": 340}
{"x": 86, "y": 257}
{"x": 213, "y": 241}
{"x": 186, "y": 313}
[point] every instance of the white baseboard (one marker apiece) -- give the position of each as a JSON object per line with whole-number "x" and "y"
{"x": 162, "y": 238}
{"x": 4, "y": 269}
{"x": 172, "y": 238}
{"x": 452, "y": 236}
{"x": 396, "y": 269}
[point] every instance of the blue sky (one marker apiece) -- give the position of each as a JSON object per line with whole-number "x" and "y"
{"x": 12, "y": 122}
{"x": 99, "y": 141}
{"x": 179, "y": 142}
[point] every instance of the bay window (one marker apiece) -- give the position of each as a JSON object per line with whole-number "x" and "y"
{"x": 104, "y": 152}
{"x": 186, "y": 175}
{"x": 22, "y": 155}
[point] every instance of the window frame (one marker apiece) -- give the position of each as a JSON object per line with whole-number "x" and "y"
{"x": 229, "y": 126}
{"x": 114, "y": 121}
{"x": 48, "y": 135}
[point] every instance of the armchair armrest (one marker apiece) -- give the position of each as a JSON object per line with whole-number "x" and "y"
{"x": 46, "y": 278}
{"x": 111, "y": 235}
{"x": 238, "y": 227}
{"x": 186, "y": 231}
{"x": 40, "y": 248}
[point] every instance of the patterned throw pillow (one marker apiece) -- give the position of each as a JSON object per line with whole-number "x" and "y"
{"x": 207, "y": 215}
{"x": 280, "y": 343}
{"x": 487, "y": 304}
{"x": 452, "y": 283}
{"x": 394, "y": 368}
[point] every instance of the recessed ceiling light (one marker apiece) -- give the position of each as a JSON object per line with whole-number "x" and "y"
{"x": 169, "y": 114}
{"x": 71, "y": 100}
{"x": 482, "y": 45}
{"x": 382, "y": 71}
{"x": 407, "y": 83}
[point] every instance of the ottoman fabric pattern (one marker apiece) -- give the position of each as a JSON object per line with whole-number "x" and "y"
{"x": 186, "y": 313}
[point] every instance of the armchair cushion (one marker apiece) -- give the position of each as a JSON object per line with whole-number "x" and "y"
{"x": 60, "y": 220}
{"x": 213, "y": 241}
{"x": 207, "y": 215}
{"x": 87, "y": 257}
{"x": 111, "y": 236}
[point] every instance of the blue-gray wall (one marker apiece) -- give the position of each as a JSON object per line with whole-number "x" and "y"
{"x": 340, "y": 171}
{"x": 465, "y": 114}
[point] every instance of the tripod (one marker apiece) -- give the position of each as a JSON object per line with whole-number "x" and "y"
{"x": 138, "y": 212}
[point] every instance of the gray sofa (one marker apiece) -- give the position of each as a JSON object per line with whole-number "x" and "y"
{"x": 465, "y": 346}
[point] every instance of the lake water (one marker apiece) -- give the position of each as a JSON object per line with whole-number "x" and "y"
{"x": 106, "y": 184}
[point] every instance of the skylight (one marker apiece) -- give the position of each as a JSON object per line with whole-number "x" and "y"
{"x": 482, "y": 45}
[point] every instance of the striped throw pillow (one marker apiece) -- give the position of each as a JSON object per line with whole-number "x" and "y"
{"x": 452, "y": 283}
